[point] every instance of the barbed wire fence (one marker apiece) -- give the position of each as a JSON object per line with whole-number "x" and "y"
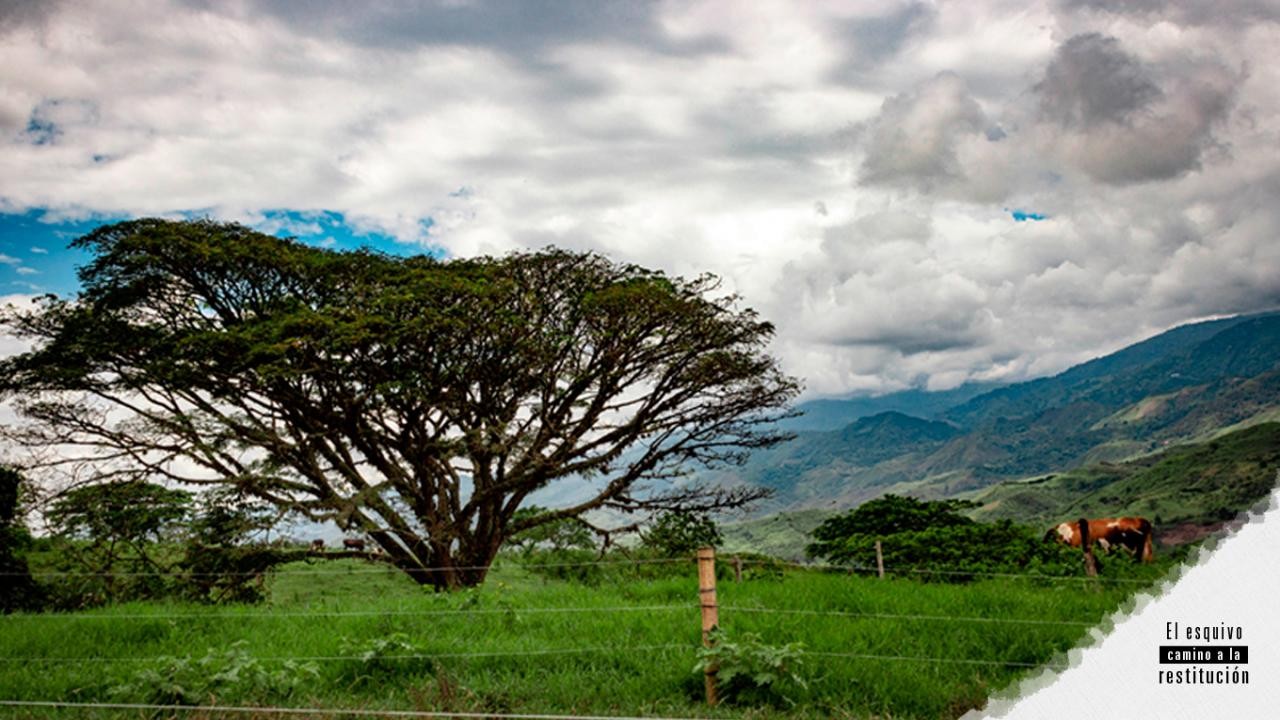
{"x": 707, "y": 604}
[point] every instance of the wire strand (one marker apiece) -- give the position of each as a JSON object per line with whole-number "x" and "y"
{"x": 931, "y": 571}
{"x": 342, "y": 712}
{"x": 336, "y": 658}
{"x": 894, "y": 616}
{"x": 349, "y": 571}
{"x": 917, "y": 658}
{"x": 347, "y": 613}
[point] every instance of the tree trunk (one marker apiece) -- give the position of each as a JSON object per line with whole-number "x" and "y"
{"x": 443, "y": 569}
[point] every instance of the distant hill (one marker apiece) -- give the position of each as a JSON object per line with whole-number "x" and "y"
{"x": 1181, "y": 386}
{"x": 1200, "y": 483}
{"x": 833, "y": 414}
{"x": 815, "y": 468}
{"x": 1155, "y": 362}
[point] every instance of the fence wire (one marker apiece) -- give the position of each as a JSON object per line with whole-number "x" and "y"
{"x": 346, "y": 613}
{"x": 896, "y": 616}
{"x": 387, "y": 568}
{"x": 890, "y": 570}
{"x": 314, "y": 712}
{"x": 340, "y": 658}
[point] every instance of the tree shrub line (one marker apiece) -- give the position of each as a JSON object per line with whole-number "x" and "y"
{"x": 135, "y": 540}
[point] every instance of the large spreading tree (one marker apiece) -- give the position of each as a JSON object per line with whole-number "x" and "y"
{"x": 416, "y": 400}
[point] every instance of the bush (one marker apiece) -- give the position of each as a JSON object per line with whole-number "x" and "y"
{"x": 232, "y": 673}
{"x": 221, "y": 562}
{"x": 677, "y": 534}
{"x": 379, "y": 658}
{"x": 923, "y": 536}
{"x": 18, "y": 590}
{"x": 749, "y": 672}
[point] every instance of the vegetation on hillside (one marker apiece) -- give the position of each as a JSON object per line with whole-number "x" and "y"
{"x": 1199, "y": 483}
{"x": 1181, "y": 386}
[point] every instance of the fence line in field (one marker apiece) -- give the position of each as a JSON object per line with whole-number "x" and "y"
{"x": 349, "y": 613}
{"x": 539, "y": 611}
{"x": 380, "y": 658}
{"x": 335, "y": 712}
{"x": 527, "y": 653}
{"x": 391, "y": 569}
{"x": 962, "y": 661}
{"x": 895, "y": 616}
{"x": 388, "y": 568}
{"x": 891, "y": 570}
{"x": 707, "y": 602}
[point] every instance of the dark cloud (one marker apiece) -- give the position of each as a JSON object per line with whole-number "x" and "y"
{"x": 872, "y": 41}
{"x": 523, "y": 28}
{"x": 1124, "y": 121}
{"x": 912, "y": 142}
{"x": 1186, "y": 12}
{"x": 25, "y": 13}
{"x": 1092, "y": 81}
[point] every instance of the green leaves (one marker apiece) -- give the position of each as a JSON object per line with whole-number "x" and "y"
{"x": 119, "y": 512}
{"x": 750, "y": 672}
{"x": 229, "y": 672}
{"x": 382, "y": 657}
{"x": 920, "y": 536}
{"x": 396, "y": 394}
{"x": 679, "y": 533}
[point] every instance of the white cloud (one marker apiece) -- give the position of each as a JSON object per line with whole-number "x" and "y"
{"x": 847, "y": 169}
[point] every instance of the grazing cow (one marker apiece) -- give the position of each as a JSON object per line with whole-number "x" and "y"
{"x": 317, "y": 545}
{"x": 1131, "y": 533}
{"x": 356, "y": 544}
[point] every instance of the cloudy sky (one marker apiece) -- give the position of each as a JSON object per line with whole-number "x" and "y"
{"x": 916, "y": 193}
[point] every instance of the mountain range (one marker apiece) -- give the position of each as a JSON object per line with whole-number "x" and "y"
{"x": 1185, "y": 385}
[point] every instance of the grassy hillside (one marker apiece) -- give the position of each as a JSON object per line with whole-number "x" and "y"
{"x": 781, "y": 535}
{"x": 1200, "y": 483}
{"x": 522, "y": 644}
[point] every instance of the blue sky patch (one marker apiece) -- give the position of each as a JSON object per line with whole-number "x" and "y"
{"x": 1027, "y": 215}
{"x": 35, "y": 259}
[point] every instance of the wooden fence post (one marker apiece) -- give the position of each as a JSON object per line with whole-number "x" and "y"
{"x": 737, "y": 568}
{"x": 879, "y": 560}
{"x": 1086, "y": 542}
{"x": 710, "y": 611}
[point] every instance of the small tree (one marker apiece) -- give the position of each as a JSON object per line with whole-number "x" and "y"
{"x": 224, "y": 559}
{"x": 884, "y": 516}
{"x": 559, "y": 535}
{"x": 418, "y": 401}
{"x": 111, "y": 531}
{"x": 926, "y": 536}
{"x": 18, "y": 591}
{"x": 677, "y": 533}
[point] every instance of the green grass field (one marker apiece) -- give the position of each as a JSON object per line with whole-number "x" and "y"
{"x": 625, "y": 645}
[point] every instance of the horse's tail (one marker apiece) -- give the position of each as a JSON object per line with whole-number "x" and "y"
{"x": 1148, "y": 553}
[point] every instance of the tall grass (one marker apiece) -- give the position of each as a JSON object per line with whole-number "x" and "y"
{"x": 615, "y": 662}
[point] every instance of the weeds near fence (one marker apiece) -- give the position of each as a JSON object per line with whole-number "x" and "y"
{"x": 231, "y": 672}
{"x": 752, "y": 672}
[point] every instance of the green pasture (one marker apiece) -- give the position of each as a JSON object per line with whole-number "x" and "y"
{"x": 334, "y": 634}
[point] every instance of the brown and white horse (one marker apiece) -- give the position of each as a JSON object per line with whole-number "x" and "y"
{"x": 1131, "y": 533}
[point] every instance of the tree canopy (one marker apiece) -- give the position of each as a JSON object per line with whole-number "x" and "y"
{"x": 417, "y": 400}
{"x": 931, "y": 539}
